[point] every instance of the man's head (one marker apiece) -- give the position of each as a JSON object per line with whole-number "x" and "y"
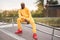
{"x": 22, "y": 5}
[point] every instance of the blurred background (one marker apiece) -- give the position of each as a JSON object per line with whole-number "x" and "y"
{"x": 43, "y": 11}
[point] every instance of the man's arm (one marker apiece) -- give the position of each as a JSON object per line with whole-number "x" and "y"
{"x": 29, "y": 14}
{"x": 19, "y": 14}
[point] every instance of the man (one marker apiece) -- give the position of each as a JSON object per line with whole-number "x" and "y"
{"x": 25, "y": 16}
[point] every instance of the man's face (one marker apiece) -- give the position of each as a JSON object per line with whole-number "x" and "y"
{"x": 22, "y": 6}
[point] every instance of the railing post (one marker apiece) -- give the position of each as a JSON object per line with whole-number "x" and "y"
{"x": 52, "y": 34}
{"x": 12, "y": 22}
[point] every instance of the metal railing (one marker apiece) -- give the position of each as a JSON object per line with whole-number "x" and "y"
{"x": 54, "y": 28}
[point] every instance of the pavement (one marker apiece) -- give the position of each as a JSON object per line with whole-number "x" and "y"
{"x": 7, "y": 32}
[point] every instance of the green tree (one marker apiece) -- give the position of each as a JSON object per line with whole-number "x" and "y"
{"x": 40, "y": 8}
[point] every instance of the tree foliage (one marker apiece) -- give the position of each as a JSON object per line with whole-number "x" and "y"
{"x": 39, "y": 11}
{"x": 11, "y": 13}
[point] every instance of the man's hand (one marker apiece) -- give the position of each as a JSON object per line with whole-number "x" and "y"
{"x": 22, "y": 17}
{"x": 26, "y": 19}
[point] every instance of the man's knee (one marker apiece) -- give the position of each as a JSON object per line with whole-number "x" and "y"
{"x": 32, "y": 21}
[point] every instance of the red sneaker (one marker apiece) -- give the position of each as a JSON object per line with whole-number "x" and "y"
{"x": 35, "y": 36}
{"x": 18, "y": 32}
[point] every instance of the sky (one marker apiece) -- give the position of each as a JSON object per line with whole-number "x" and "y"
{"x": 15, "y": 4}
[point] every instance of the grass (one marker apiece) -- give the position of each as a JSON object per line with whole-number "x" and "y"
{"x": 52, "y": 21}
{"x": 49, "y": 21}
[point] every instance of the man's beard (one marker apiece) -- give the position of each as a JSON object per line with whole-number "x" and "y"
{"x": 22, "y": 7}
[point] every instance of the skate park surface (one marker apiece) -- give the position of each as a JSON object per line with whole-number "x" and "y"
{"x": 7, "y": 32}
